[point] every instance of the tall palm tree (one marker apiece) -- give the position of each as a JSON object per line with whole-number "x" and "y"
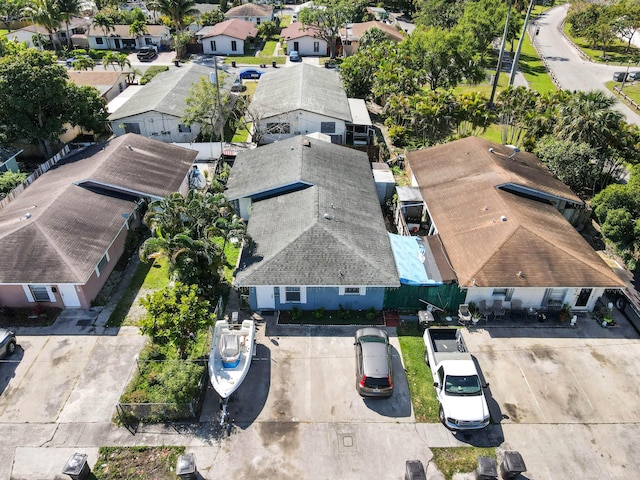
{"x": 46, "y": 14}
{"x": 68, "y": 9}
{"x": 105, "y": 22}
{"x": 177, "y": 11}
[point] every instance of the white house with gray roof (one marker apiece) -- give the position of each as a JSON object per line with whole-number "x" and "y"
{"x": 156, "y": 110}
{"x": 319, "y": 238}
{"x": 300, "y": 100}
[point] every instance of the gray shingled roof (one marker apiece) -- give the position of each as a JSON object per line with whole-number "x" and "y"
{"x": 166, "y": 93}
{"x": 329, "y": 231}
{"x": 302, "y": 87}
{"x": 58, "y": 229}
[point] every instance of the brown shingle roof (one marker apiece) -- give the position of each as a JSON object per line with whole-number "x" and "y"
{"x": 58, "y": 229}
{"x": 358, "y": 29}
{"x": 490, "y": 234}
{"x": 250, "y": 10}
{"x": 298, "y": 30}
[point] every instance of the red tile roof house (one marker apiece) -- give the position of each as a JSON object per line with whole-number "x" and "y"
{"x": 501, "y": 217}
{"x": 62, "y": 236}
{"x": 227, "y": 38}
{"x": 305, "y": 41}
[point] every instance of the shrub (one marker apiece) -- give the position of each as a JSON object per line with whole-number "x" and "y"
{"x": 152, "y": 72}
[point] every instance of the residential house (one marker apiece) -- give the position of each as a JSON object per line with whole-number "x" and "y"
{"x": 251, "y": 12}
{"x": 77, "y": 25}
{"x": 110, "y": 84}
{"x": 230, "y": 37}
{"x": 350, "y": 36}
{"x": 503, "y": 220}
{"x": 318, "y": 236}
{"x": 304, "y": 99}
{"x": 62, "y": 236}
{"x": 119, "y": 38}
{"x": 156, "y": 109}
{"x": 8, "y": 159}
{"x": 304, "y": 40}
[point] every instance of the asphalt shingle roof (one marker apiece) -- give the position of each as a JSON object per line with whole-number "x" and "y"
{"x": 494, "y": 236}
{"x": 58, "y": 229}
{"x": 327, "y": 230}
{"x": 302, "y": 87}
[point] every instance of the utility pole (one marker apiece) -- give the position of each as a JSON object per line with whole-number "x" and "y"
{"x": 514, "y": 67}
{"x": 496, "y": 77}
{"x": 220, "y": 115}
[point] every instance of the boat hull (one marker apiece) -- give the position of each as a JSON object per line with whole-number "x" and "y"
{"x": 230, "y": 355}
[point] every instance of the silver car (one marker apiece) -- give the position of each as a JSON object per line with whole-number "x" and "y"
{"x": 374, "y": 376}
{"x": 7, "y": 342}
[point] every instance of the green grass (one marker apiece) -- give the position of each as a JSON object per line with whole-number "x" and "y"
{"x": 631, "y": 89}
{"x": 452, "y": 460}
{"x": 231, "y": 251}
{"x": 253, "y": 60}
{"x": 152, "y": 72}
{"x": 241, "y": 135}
{"x": 147, "y": 276}
{"x": 285, "y": 20}
{"x": 534, "y": 69}
{"x": 3, "y": 31}
{"x": 137, "y": 463}
{"x": 493, "y": 133}
{"x": 269, "y": 48}
{"x": 423, "y": 395}
{"x": 616, "y": 53}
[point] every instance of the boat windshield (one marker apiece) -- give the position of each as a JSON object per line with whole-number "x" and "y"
{"x": 463, "y": 385}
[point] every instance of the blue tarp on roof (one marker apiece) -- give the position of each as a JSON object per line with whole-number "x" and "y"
{"x": 410, "y": 254}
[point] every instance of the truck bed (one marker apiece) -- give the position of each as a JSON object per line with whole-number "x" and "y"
{"x": 447, "y": 344}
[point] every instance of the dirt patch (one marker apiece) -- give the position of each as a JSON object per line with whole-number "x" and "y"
{"x": 331, "y": 317}
{"x": 137, "y": 463}
{"x": 28, "y": 317}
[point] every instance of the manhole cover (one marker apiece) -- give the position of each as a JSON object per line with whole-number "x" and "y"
{"x": 347, "y": 442}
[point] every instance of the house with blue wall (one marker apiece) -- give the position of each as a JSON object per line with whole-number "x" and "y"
{"x": 318, "y": 237}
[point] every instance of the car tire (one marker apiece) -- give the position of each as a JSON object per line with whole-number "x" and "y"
{"x": 621, "y": 303}
{"x": 441, "y": 416}
{"x": 11, "y": 347}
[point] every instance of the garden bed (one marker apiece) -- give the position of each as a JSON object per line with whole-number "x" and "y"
{"x": 331, "y": 317}
{"x": 28, "y": 317}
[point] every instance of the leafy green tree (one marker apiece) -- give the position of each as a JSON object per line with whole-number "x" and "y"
{"x": 11, "y": 11}
{"x": 626, "y": 20}
{"x": 576, "y": 164}
{"x": 328, "y": 17}
{"x": 482, "y": 22}
{"x": 36, "y": 100}
{"x": 177, "y": 11}
{"x": 175, "y": 316}
{"x": 357, "y": 71}
{"x": 373, "y": 36}
{"x": 439, "y": 13}
{"x": 46, "y": 13}
{"x": 212, "y": 17}
{"x": 10, "y": 180}
{"x": 595, "y": 22}
{"x": 138, "y": 28}
{"x": 618, "y": 227}
{"x": 203, "y": 108}
{"x": 267, "y": 28}
{"x": 105, "y": 22}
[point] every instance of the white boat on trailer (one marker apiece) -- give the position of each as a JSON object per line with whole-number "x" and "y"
{"x": 232, "y": 349}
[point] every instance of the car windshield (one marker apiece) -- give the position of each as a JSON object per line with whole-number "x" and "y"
{"x": 462, "y": 385}
{"x": 372, "y": 338}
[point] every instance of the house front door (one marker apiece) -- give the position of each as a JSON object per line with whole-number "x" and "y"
{"x": 583, "y": 297}
{"x": 69, "y": 296}
{"x": 265, "y": 300}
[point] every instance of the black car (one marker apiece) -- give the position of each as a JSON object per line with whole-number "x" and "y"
{"x": 147, "y": 53}
{"x": 619, "y": 76}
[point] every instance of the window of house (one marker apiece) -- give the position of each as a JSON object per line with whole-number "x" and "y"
{"x": 327, "y": 127}
{"x": 234, "y": 45}
{"x": 503, "y": 292}
{"x": 352, "y": 290}
{"x": 132, "y": 128}
{"x": 99, "y": 41}
{"x": 278, "y": 128}
{"x": 292, "y": 294}
{"x": 148, "y": 41}
{"x": 103, "y": 263}
{"x": 182, "y": 128}
{"x": 258, "y": 21}
{"x": 213, "y": 45}
{"x": 316, "y": 47}
{"x": 40, "y": 293}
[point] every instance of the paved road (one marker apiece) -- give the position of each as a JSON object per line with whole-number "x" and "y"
{"x": 571, "y": 70}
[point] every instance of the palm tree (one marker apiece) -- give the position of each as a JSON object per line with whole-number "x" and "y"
{"x": 138, "y": 28}
{"x": 68, "y": 9}
{"x": 177, "y": 11}
{"x": 105, "y": 22}
{"x": 122, "y": 59}
{"x": 46, "y": 14}
{"x": 109, "y": 58}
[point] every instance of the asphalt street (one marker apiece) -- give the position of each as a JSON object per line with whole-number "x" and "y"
{"x": 572, "y": 71}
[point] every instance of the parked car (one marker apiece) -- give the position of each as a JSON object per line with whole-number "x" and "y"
{"x": 250, "y": 73}
{"x": 374, "y": 375}
{"x": 147, "y": 53}
{"x": 7, "y": 342}
{"x": 294, "y": 56}
{"x": 633, "y": 76}
{"x": 619, "y": 76}
{"x": 71, "y": 60}
{"x": 237, "y": 85}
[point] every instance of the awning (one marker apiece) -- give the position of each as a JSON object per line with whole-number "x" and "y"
{"x": 412, "y": 257}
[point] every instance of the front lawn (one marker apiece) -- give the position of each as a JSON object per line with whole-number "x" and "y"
{"x": 452, "y": 460}
{"x": 253, "y": 60}
{"x": 631, "y": 90}
{"x": 423, "y": 395}
{"x": 616, "y": 53}
{"x": 534, "y": 69}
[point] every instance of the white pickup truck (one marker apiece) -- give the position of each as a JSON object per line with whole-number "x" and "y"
{"x": 456, "y": 380}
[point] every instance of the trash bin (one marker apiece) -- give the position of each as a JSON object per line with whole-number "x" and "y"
{"x": 414, "y": 470}
{"x": 487, "y": 469}
{"x": 273, "y": 64}
{"x": 186, "y": 467}
{"x": 176, "y": 63}
{"x": 512, "y": 465}
{"x": 233, "y": 63}
{"x": 77, "y": 467}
